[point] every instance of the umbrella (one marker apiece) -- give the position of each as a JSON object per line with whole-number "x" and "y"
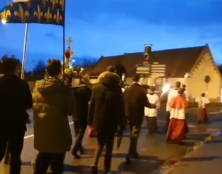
{"x": 119, "y": 140}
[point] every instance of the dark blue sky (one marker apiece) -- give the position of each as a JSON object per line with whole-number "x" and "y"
{"x": 112, "y": 27}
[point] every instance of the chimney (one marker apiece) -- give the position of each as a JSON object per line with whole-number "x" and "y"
{"x": 147, "y": 49}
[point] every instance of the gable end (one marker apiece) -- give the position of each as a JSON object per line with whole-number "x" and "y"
{"x": 205, "y": 53}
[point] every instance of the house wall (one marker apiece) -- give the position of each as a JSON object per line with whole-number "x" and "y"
{"x": 196, "y": 84}
{"x": 171, "y": 81}
{"x": 93, "y": 81}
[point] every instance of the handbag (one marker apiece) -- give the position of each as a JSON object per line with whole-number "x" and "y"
{"x": 91, "y": 132}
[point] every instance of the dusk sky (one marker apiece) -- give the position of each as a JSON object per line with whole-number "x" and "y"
{"x": 113, "y": 27}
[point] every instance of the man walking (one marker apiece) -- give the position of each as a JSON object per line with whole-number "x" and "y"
{"x": 81, "y": 97}
{"x": 135, "y": 101}
{"x": 52, "y": 104}
{"x": 15, "y": 99}
{"x": 106, "y": 114}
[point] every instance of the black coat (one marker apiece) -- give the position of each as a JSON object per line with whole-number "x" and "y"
{"x": 135, "y": 101}
{"x": 81, "y": 100}
{"x": 15, "y": 99}
{"x": 106, "y": 110}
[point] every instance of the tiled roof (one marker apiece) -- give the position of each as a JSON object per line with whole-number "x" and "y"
{"x": 87, "y": 70}
{"x": 178, "y": 61}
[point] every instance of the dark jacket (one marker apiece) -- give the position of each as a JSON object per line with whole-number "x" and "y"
{"x": 135, "y": 101}
{"x": 15, "y": 99}
{"x": 106, "y": 110}
{"x": 81, "y": 103}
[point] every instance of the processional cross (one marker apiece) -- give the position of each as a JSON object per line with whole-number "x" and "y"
{"x": 69, "y": 40}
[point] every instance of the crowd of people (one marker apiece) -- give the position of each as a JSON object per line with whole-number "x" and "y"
{"x": 106, "y": 108}
{"x": 176, "y": 112}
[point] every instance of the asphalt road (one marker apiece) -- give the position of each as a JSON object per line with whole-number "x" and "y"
{"x": 152, "y": 148}
{"x": 207, "y": 159}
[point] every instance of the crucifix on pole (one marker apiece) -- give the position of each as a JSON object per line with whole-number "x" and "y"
{"x": 69, "y": 40}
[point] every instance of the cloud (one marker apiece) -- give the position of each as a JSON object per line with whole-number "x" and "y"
{"x": 112, "y": 27}
{"x": 170, "y": 12}
{"x": 112, "y": 37}
{"x": 53, "y": 36}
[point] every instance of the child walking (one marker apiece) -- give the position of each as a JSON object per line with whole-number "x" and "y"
{"x": 202, "y": 101}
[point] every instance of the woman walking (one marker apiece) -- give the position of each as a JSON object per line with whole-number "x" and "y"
{"x": 52, "y": 104}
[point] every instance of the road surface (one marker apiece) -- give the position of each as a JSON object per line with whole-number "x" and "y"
{"x": 207, "y": 159}
{"x": 152, "y": 148}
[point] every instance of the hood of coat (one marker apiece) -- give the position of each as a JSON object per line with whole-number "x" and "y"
{"x": 50, "y": 85}
{"x": 109, "y": 79}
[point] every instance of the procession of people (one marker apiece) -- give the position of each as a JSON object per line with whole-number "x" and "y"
{"x": 106, "y": 108}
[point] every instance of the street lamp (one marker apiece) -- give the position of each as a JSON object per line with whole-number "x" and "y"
{"x": 4, "y": 21}
{"x": 186, "y": 75}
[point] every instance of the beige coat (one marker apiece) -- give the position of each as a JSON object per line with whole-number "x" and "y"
{"x": 52, "y": 103}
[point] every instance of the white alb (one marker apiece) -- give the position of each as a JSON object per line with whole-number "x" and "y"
{"x": 173, "y": 93}
{"x": 153, "y": 99}
{"x": 202, "y": 101}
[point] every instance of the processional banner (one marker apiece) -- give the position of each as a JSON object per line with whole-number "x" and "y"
{"x": 34, "y": 11}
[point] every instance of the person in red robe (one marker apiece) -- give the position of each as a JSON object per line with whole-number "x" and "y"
{"x": 176, "y": 130}
{"x": 202, "y": 105}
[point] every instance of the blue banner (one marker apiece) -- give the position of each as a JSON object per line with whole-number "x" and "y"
{"x": 35, "y": 11}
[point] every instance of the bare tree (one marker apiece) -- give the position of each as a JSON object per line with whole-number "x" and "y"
{"x": 89, "y": 62}
{"x": 40, "y": 68}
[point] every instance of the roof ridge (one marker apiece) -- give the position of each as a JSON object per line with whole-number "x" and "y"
{"x": 178, "y": 61}
{"x": 203, "y": 46}
{"x": 112, "y": 56}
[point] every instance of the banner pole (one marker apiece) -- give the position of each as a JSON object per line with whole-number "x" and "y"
{"x": 24, "y": 51}
{"x": 64, "y": 41}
